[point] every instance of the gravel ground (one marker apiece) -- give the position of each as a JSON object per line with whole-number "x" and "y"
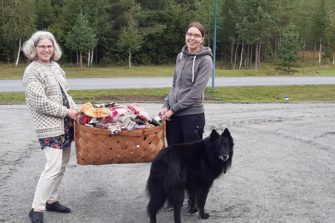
{"x": 283, "y": 170}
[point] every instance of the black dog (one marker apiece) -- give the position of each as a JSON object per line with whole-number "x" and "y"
{"x": 192, "y": 167}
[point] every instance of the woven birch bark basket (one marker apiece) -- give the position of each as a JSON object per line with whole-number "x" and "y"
{"x": 96, "y": 146}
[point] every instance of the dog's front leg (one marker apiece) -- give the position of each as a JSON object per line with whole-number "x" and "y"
{"x": 176, "y": 214}
{"x": 201, "y": 201}
{"x": 153, "y": 220}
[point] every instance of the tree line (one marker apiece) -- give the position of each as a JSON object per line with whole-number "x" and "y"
{"x": 126, "y": 32}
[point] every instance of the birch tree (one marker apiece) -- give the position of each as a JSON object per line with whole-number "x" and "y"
{"x": 20, "y": 22}
{"x": 330, "y": 37}
{"x": 130, "y": 38}
{"x": 319, "y": 26}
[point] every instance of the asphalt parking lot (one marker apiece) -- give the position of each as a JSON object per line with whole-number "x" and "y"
{"x": 283, "y": 170}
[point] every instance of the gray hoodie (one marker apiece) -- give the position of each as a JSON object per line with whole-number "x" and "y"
{"x": 190, "y": 80}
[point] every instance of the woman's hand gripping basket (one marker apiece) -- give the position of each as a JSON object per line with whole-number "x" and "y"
{"x": 98, "y": 146}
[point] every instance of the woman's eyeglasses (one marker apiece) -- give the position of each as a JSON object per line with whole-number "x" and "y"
{"x": 43, "y": 47}
{"x": 195, "y": 35}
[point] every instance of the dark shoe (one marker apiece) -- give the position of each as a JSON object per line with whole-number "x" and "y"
{"x": 35, "y": 216}
{"x": 57, "y": 207}
{"x": 191, "y": 210}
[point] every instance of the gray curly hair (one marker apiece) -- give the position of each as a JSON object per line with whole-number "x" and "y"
{"x": 29, "y": 47}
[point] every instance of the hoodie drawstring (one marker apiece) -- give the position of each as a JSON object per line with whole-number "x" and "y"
{"x": 193, "y": 64}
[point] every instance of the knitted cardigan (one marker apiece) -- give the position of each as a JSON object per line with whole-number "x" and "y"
{"x": 43, "y": 83}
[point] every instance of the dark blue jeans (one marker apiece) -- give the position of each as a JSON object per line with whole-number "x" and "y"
{"x": 186, "y": 128}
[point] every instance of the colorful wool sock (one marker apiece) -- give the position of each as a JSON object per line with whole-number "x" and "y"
{"x": 86, "y": 106}
{"x": 89, "y": 110}
{"x": 142, "y": 114}
{"x": 99, "y": 112}
{"x": 114, "y": 128}
{"x": 129, "y": 124}
{"x": 83, "y": 119}
{"x": 127, "y": 121}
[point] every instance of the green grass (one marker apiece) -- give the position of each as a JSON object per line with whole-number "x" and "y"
{"x": 274, "y": 94}
{"x": 9, "y": 71}
{"x": 310, "y": 93}
{"x": 322, "y": 93}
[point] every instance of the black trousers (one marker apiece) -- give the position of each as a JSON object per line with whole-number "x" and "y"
{"x": 186, "y": 128}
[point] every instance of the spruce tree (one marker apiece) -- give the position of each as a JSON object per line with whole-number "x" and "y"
{"x": 81, "y": 38}
{"x": 290, "y": 45}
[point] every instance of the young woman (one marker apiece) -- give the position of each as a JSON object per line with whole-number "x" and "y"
{"x": 183, "y": 107}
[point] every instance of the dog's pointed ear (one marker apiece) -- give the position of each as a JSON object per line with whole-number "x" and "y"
{"x": 226, "y": 133}
{"x": 214, "y": 135}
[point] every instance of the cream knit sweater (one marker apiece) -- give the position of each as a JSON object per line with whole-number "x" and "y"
{"x": 42, "y": 84}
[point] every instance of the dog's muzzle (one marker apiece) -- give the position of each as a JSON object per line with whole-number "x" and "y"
{"x": 224, "y": 157}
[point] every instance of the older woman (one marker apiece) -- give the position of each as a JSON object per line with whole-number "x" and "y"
{"x": 52, "y": 110}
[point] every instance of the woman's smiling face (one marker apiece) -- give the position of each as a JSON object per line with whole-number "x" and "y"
{"x": 194, "y": 40}
{"x": 44, "y": 50}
